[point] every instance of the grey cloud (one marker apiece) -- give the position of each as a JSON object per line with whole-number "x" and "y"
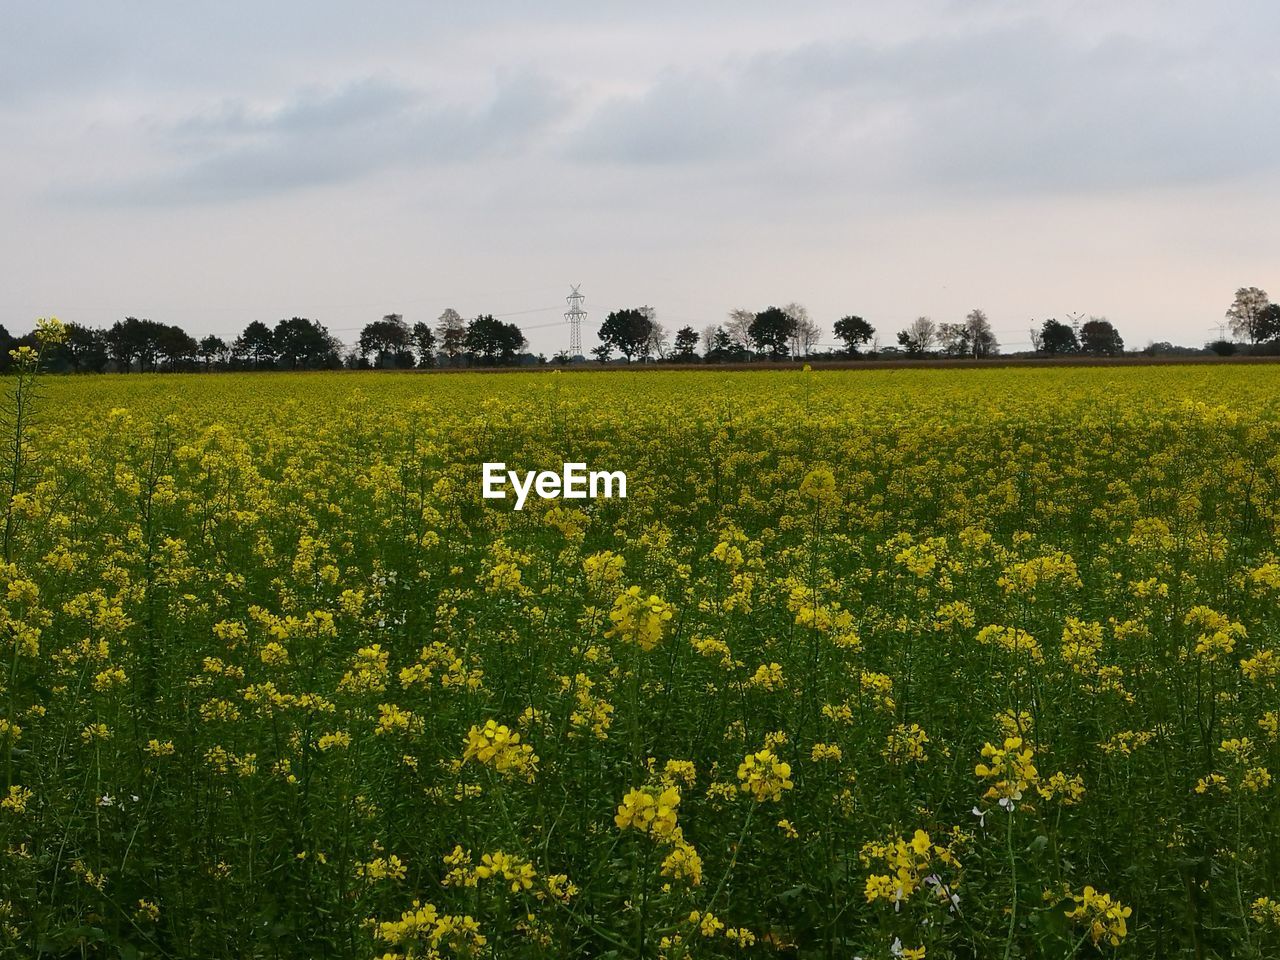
{"x": 237, "y": 150}
{"x": 1031, "y": 109}
{"x": 1022, "y": 106}
{"x": 363, "y": 101}
{"x": 681, "y": 119}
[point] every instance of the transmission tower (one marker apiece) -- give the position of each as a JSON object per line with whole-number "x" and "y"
{"x": 574, "y": 317}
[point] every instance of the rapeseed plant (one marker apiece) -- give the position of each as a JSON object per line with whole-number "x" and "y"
{"x": 864, "y": 663}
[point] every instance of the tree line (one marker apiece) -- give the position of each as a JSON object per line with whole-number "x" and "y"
{"x": 297, "y": 343}
{"x": 777, "y": 333}
{"x": 628, "y": 335}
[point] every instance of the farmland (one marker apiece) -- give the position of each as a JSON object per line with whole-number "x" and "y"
{"x": 867, "y": 663}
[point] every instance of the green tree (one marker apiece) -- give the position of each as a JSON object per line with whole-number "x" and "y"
{"x": 491, "y": 341}
{"x": 686, "y": 345}
{"x": 213, "y": 349}
{"x": 122, "y": 343}
{"x": 256, "y": 344}
{"x": 629, "y": 331}
{"x": 855, "y": 332}
{"x": 1268, "y": 322}
{"x": 133, "y": 339}
{"x": 176, "y": 347}
{"x": 424, "y": 344}
{"x": 722, "y": 346}
{"x": 772, "y": 330}
{"x": 303, "y": 344}
{"x": 84, "y": 349}
{"x": 388, "y": 340}
{"x": 1057, "y": 337}
{"x": 1100, "y": 338}
{"x": 7, "y": 343}
{"x": 1223, "y": 348}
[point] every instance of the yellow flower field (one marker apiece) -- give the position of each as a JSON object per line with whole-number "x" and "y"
{"x": 897, "y": 663}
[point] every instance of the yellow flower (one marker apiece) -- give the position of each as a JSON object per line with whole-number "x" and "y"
{"x": 1106, "y": 918}
{"x": 1266, "y": 911}
{"x": 95, "y": 732}
{"x": 1218, "y": 633}
{"x": 497, "y": 745}
{"x": 17, "y": 799}
{"x": 559, "y": 887}
{"x": 826, "y": 752}
{"x": 650, "y": 810}
{"x": 50, "y": 331}
{"x": 682, "y": 771}
{"x": 382, "y": 868}
{"x": 603, "y": 567}
{"x": 638, "y": 619}
{"x": 683, "y": 862}
{"x": 819, "y": 485}
{"x": 337, "y": 740}
{"x": 764, "y": 776}
{"x": 1214, "y": 781}
{"x": 1069, "y": 790}
{"x": 394, "y": 719}
{"x": 1256, "y": 779}
{"x": 740, "y": 936}
{"x": 368, "y": 672}
{"x": 1012, "y": 639}
{"x": 274, "y": 654}
{"x": 906, "y": 744}
{"x": 911, "y": 864}
{"x": 707, "y": 924}
{"x": 517, "y": 872}
{"x": 1011, "y": 766}
{"x": 768, "y": 677}
{"x": 147, "y": 911}
{"x": 110, "y": 678}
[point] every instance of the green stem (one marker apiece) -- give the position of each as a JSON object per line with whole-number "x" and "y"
{"x": 733, "y": 860}
{"x": 1013, "y": 871}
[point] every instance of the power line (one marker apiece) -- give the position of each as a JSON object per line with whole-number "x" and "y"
{"x": 521, "y": 313}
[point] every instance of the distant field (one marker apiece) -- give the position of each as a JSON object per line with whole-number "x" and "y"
{"x": 894, "y": 662}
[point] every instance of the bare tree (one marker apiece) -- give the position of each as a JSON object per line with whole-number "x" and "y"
{"x": 806, "y": 333}
{"x": 981, "y": 339}
{"x": 709, "y": 337}
{"x": 1245, "y": 313}
{"x": 451, "y": 334}
{"x": 739, "y": 326}
{"x": 953, "y": 339}
{"x": 919, "y": 336}
{"x": 657, "y": 342}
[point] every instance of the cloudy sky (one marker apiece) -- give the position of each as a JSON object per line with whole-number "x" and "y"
{"x": 213, "y": 164}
